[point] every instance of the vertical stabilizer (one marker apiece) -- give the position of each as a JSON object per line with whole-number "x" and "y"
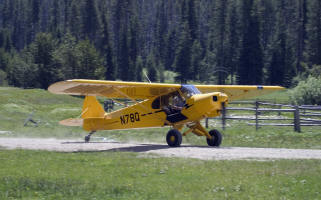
{"x": 92, "y": 108}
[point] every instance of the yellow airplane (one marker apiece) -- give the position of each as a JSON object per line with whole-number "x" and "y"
{"x": 156, "y": 105}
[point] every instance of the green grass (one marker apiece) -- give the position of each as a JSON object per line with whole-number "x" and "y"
{"x": 278, "y": 97}
{"x": 121, "y": 175}
{"x": 17, "y": 104}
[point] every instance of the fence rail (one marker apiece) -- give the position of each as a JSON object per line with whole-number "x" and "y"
{"x": 300, "y": 114}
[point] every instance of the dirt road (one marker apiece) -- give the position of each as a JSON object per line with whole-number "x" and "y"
{"x": 200, "y": 152}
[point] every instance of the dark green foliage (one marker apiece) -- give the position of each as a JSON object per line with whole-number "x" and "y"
{"x": 314, "y": 32}
{"x": 90, "y": 65}
{"x": 151, "y": 68}
{"x": 232, "y": 45}
{"x": 22, "y": 72}
{"x": 183, "y": 55}
{"x": 75, "y": 20}
{"x": 42, "y": 51}
{"x": 307, "y": 92}
{"x": 67, "y": 58}
{"x": 250, "y": 70}
{"x": 123, "y": 61}
{"x": 171, "y": 45}
{"x": 110, "y": 73}
{"x": 139, "y": 69}
{"x": 196, "y": 59}
{"x": 90, "y": 19}
{"x": 219, "y": 41}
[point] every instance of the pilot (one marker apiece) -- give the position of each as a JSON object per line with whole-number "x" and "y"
{"x": 177, "y": 103}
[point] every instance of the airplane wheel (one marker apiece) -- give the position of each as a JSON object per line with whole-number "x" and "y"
{"x": 174, "y": 138}
{"x": 87, "y": 138}
{"x": 216, "y": 138}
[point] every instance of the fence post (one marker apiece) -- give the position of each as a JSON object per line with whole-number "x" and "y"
{"x": 280, "y": 107}
{"x": 256, "y": 115}
{"x": 223, "y": 116}
{"x": 296, "y": 113}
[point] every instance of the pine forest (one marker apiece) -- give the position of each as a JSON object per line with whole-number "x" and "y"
{"x": 248, "y": 42}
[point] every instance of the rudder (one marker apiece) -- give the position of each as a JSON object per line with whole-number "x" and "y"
{"x": 92, "y": 108}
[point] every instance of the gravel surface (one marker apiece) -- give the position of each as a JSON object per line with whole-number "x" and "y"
{"x": 187, "y": 151}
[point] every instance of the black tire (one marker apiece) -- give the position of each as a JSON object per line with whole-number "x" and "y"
{"x": 216, "y": 139}
{"x": 87, "y": 138}
{"x": 174, "y": 138}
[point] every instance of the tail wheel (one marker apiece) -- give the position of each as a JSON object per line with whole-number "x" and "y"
{"x": 216, "y": 139}
{"x": 174, "y": 138}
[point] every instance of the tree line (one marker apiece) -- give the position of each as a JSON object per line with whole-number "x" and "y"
{"x": 273, "y": 42}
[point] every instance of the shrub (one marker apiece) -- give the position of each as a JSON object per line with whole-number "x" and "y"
{"x": 307, "y": 92}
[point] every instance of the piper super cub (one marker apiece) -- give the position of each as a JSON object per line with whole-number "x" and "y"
{"x": 155, "y": 105}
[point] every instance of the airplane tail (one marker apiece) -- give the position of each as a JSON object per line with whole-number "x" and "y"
{"x": 92, "y": 108}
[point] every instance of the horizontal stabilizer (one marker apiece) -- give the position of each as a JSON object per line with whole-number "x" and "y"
{"x": 72, "y": 122}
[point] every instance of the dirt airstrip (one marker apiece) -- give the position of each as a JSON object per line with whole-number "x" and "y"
{"x": 186, "y": 151}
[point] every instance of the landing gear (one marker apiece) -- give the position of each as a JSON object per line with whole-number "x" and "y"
{"x": 216, "y": 138}
{"x": 87, "y": 137}
{"x": 174, "y": 138}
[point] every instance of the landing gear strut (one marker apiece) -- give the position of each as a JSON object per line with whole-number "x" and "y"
{"x": 87, "y": 137}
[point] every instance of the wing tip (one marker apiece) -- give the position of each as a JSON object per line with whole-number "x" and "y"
{"x": 56, "y": 88}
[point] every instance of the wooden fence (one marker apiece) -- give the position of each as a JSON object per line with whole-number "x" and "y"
{"x": 304, "y": 115}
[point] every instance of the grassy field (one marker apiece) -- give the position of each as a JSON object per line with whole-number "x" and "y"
{"x": 120, "y": 175}
{"x": 17, "y": 104}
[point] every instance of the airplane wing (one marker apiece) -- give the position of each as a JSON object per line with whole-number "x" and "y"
{"x": 236, "y": 92}
{"x": 141, "y": 90}
{"x": 112, "y": 89}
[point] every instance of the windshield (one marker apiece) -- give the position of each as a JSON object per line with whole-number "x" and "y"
{"x": 189, "y": 90}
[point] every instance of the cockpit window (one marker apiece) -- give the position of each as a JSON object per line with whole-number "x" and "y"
{"x": 173, "y": 99}
{"x": 189, "y": 90}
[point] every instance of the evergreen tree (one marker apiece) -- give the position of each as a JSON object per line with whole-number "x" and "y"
{"x": 124, "y": 58}
{"x": 277, "y": 67}
{"x": 75, "y": 20}
{"x": 23, "y": 72}
{"x": 4, "y": 59}
{"x": 171, "y": 46}
{"x": 281, "y": 66}
{"x": 183, "y": 55}
{"x": 21, "y": 33}
{"x": 233, "y": 39}
{"x": 42, "y": 50}
{"x": 218, "y": 37}
{"x": 139, "y": 69}
{"x": 160, "y": 33}
{"x": 196, "y": 59}
{"x": 67, "y": 14}
{"x": 55, "y": 19}
{"x": 206, "y": 66}
{"x": 192, "y": 21}
{"x": 119, "y": 19}
{"x": 90, "y": 64}
{"x": 133, "y": 48}
{"x": 151, "y": 68}
{"x": 250, "y": 70}
{"x": 34, "y": 20}
{"x": 314, "y": 32}
{"x": 301, "y": 32}
{"x": 90, "y": 19}
{"x": 67, "y": 58}
{"x": 107, "y": 52}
